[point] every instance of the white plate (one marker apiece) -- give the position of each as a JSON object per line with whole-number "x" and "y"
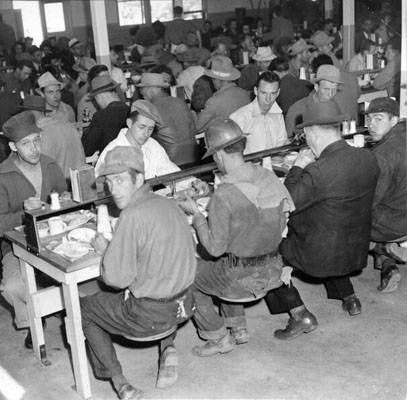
{"x": 82, "y": 234}
{"x": 72, "y": 250}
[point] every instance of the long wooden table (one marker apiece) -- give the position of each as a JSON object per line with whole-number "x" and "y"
{"x": 42, "y": 302}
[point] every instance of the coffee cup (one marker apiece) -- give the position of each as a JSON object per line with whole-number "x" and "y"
{"x": 359, "y": 140}
{"x": 56, "y": 225}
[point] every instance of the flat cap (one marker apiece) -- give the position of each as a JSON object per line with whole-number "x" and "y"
{"x": 384, "y": 104}
{"x": 121, "y": 159}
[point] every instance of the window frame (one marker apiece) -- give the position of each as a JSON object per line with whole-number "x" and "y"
{"x": 146, "y": 6}
{"x": 144, "y": 14}
{"x": 44, "y": 18}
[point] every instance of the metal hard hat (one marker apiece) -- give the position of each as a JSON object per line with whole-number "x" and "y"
{"x": 220, "y": 134}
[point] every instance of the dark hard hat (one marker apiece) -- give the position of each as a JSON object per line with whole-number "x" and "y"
{"x": 220, "y": 134}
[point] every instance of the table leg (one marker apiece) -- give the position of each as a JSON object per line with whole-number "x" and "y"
{"x": 76, "y": 339}
{"x": 36, "y": 328}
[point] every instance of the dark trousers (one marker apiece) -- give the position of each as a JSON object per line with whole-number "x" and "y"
{"x": 108, "y": 313}
{"x": 285, "y": 298}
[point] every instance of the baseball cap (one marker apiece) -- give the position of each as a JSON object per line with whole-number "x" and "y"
{"x": 384, "y": 104}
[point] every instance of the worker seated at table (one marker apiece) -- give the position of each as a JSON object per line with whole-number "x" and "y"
{"x": 246, "y": 219}
{"x": 143, "y": 118}
{"x": 389, "y": 222}
{"x": 332, "y": 185}
{"x": 150, "y": 261}
{"x": 27, "y": 177}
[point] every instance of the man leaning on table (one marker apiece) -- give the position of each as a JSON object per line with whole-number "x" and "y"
{"x": 26, "y": 177}
{"x": 332, "y": 186}
{"x": 151, "y": 264}
{"x": 389, "y": 224}
{"x": 246, "y": 219}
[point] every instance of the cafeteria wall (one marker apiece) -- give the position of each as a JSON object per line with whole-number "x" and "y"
{"x": 78, "y": 18}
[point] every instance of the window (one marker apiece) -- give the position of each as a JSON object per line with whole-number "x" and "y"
{"x": 54, "y": 17}
{"x": 161, "y": 10}
{"x": 192, "y": 9}
{"x": 131, "y": 12}
{"x": 30, "y": 12}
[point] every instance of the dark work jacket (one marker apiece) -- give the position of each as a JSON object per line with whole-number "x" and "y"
{"x": 105, "y": 127}
{"x": 329, "y": 232}
{"x": 390, "y": 203}
{"x": 292, "y": 89}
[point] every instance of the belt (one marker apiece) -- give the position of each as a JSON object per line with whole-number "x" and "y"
{"x": 235, "y": 261}
{"x": 166, "y": 299}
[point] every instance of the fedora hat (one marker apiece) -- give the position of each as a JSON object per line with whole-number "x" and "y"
{"x": 298, "y": 47}
{"x": 323, "y": 113}
{"x": 47, "y": 79}
{"x": 329, "y": 73}
{"x": 222, "y": 69}
{"x": 101, "y": 84}
{"x": 149, "y": 79}
{"x": 73, "y": 42}
{"x": 36, "y": 103}
{"x": 220, "y": 134}
{"x": 320, "y": 38}
{"x": 264, "y": 54}
{"x": 85, "y": 64}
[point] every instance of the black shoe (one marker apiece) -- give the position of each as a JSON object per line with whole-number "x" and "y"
{"x": 352, "y": 305}
{"x": 389, "y": 279}
{"x": 304, "y": 322}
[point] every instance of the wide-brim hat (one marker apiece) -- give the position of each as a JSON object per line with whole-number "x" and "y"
{"x": 322, "y": 113}
{"x": 148, "y": 61}
{"x": 121, "y": 159}
{"x": 35, "y": 103}
{"x": 73, "y": 42}
{"x": 149, "y": 79}
{"x": 298, "y": 47}
{"x": 221, "y": 133}
{"x": 264, "y": 54}
{"x": 329, "y": 73}
{"x": 101, "y": 84}
{"x": 222, "y": 69}
{"x": 47, "y": 79}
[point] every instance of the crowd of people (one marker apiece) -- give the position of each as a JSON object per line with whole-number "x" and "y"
{"x": 248, "y": 88}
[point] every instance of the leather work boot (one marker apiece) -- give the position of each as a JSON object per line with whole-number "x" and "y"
{"x": 352, "y": 305}
{"x": 129, "y": 392}
{"x": 389, "y": 279}
{"x": 168, "y": 369}
{"x": 301, "y": 321}
{"x": 240, "y": 335}
{"x": 212, "y": 347}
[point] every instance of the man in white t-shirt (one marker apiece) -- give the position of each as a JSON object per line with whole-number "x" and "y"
{"x": 262, "y": 119}
{"x": 141, "y": 122}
